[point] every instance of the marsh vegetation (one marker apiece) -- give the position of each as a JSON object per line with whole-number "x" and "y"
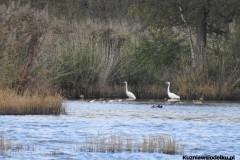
{"x": 13, "y": 104}
{"x": 86, "y": 48}
{"x": 8, "y": 147}
{"x": 115, "y": 143}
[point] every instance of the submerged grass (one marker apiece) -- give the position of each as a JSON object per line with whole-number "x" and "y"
{"x": 7, "y": 147}
{"x": 13, "y": 104}
{"x": 125, "y": 143}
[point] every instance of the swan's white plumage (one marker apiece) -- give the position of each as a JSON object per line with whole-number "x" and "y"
{"x": 170, "y": 94}
{"x": 130, "y": 95}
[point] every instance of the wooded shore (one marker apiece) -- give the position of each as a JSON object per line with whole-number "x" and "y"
{"x": 94, "y": 48}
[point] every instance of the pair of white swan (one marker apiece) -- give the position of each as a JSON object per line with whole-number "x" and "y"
{"x": 171, "y": 95}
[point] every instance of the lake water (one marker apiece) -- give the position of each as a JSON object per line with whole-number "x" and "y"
{"x": 207, "y": 129}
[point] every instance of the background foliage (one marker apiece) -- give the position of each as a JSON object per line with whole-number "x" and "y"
{"x": 90, "y": 47}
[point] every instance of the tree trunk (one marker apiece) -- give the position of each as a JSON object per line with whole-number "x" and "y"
{"x": 24, "y": 75}
{"x": 201, "y": 41}
{"x": 189, "y": 30}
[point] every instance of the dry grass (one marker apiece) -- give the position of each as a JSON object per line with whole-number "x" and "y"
{"x": 121, "y": 143}
{"x": 190, "y": 87}
{"x": 118, "y": 91}
{"x": 7, "y": 147}
{"x": 89, "y": 55}
{"x": 13, "y": 104}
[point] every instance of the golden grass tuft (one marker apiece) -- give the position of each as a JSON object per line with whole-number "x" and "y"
{"x": 125, "y": 143}
{"x": 13, "y": 104}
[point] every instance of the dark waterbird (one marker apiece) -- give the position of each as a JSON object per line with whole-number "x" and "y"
{"x": 157, "y": 106}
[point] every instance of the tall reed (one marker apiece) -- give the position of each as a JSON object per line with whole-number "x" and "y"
{"x": 126, "y": 143}
{"x": 5, "y": 145}
{"x": 13, "y": 104}
{"x": 8, "y": 147}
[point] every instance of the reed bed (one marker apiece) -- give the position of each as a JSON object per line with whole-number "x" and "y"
{"x": 13, "y": 104}
{"x": 5, "y": 146}
{"x": 125, "y": 143}
{"x": 8, "y": 147}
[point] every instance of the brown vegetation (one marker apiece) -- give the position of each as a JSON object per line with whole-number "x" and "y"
{"x": 13, "y": 104}
{"x": 126, "y": 143}
{"x": 9, "y": 147}
{"x": 4, "y": 145}
{"x": 92, "y": 57}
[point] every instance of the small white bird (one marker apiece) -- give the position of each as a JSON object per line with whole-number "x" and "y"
{"x": 170, "y": 94}
{"x": 130, "y": 95}
{"x": 91, "y": 101}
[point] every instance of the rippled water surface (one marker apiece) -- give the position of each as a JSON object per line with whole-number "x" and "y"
{"x": 212, "y": 129}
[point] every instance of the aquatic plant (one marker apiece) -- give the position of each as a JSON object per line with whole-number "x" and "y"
{"x": 8, "y": 147}
{"x": 4, "y": 145}
{"x": 126, "y": 143}
{"x": 13, "y": 104}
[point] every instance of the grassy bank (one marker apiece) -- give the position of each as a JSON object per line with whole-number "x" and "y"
{"x": 13, "y": 104}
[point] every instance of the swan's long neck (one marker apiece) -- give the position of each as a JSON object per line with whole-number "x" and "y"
{"x": 168, "y": 88}
{"x": 126, "y": 87}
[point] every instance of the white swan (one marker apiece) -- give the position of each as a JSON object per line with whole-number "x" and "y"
{"x": 171, "y": 95}
{"x": 130, "y": 95}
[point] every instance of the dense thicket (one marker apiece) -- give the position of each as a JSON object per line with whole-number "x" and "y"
{"x": 90, "y": 47}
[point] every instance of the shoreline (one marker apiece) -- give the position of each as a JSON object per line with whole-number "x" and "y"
{"x": 152, "y": 101}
